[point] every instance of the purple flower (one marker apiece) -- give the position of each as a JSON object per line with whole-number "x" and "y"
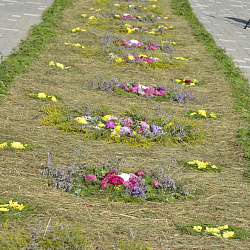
{"x": 110, "y": 124}
{"x": 154, "y": 128}
{"x": 112, "y": 118}
{"x": 125, "y": 130}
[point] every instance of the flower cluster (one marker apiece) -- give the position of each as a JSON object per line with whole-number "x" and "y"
{"x": 94, "y": 9}
{"x": 200, "y": 165}
{"x": 58, "y": 65}
{"x": 201, "y": 113}
{"x": 145, "y": 19}
{"x": 88, "y": 17}
{"x": 187, "y": 82}
{"x": 11, "y": 204}
{"x": 75, "y": 45}
{"x": 216, "y": 231}
{"x": 43, "y": 96}
{"x": 182, "y": 58}
{"x": 145, "y": 91}
{"x": 139, "y": 8}
{"x": 78, "y": 29}
{"x": 13, "y": 145}
{"x": 107, "y": 179}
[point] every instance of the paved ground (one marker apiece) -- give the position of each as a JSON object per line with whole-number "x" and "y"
{"x": 16, "y": 18}
{"x": 225, "y": 20}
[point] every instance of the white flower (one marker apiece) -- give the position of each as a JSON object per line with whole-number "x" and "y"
{"x": 125, "y": 176}
{"x": 133, "y": 41}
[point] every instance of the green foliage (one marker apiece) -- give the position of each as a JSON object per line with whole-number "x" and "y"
{"x": 53, "y": 237}
{"x": 103, "y": 3}
{"x": 239, "y": 233}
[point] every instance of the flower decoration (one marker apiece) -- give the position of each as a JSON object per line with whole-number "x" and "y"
{"x": 14, "y": 145}
{"x": 58, "y": 65}
{"x": 75, "y": 45}
{"x": 11, "y": 205}
{"x": 203, "y": 166}
{"x": 43, "y": 96}
{"x": 187, "y": 82}
{"x": 201, "y": 113}
{"x": 78, "y": 29}
{"x": 218, "y": 231}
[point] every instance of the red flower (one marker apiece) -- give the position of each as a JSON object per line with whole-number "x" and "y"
{"x": 116, "y": 180}
{"x": 108, "y": 176}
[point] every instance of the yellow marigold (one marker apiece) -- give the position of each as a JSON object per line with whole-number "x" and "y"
{"x": 225, "y": 226}
{"x": 101, "y": 125}
{"x": 4, "y": 209}
{"x": 106, "y": 117}
{"x": 197, "y": 228}
{"x": 228, "y": 234}
{"x": 3, "y": 145}
{"x": 81, "y": 120}
{"x": 41, "y": 95}
{"x": 131, "y": 57}
{"x": 13, "y": 204}
{"x": 53, "y": 98}
{"x": 119, "y": 60}
{"x": 212, "y": 230}
{"x": 17, "y": 145}
{"x": 213, "y": 115}
{"x": 202, "y": 112}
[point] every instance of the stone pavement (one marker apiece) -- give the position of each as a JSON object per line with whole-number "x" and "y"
{"x": 225, "y": 21}
{"x": 16, "y": 18}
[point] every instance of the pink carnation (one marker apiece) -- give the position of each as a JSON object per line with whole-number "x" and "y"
{"x": 116, "y": 180}
{"x": 90, "y": 177}
{"x": 140, "y": 173}
{"x": 156, "y": 183}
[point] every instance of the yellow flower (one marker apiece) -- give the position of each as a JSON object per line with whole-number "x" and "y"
{"x": 20, "y": 207}
{"x": 51, "y": 63}
{"x": 222, "y": 227}
{"x": 101, "y": 125}
{"x": 17, "y": 145}
{"x": 116, "y": 4}
{"x": 13, "y": 204}
{"x": 4, "y": 205}
{"x": 215, "y": 167}
{"x": 67, "y": 43}
{"x": 212, "y": 230}
{"x": 174, "y": 43}
{"x": 73, "y": 30}
{"x": 201, "y": 164}
{"x": 178, "y": 80}
{"x": 194, "y": 113}
{"x": 228, "y": 234}
{"x": 213, "y": 115}
{"x": 190, "y": 162}
{"x": 119, "y": 60}
{"x": 3, "y": 145}
{"x": 84, "y": 15}
{"x": 180, "y": 58}
{"x": 131, "y": 57}
{"x": 169, "y": 125}
{"x": 163, "y": 42}
{"x": 53, "y": 98}
{"x": 117, "y": 15}
{"x": 153, "y": 15}
{"x": 202, "y": 112}
{"x": 192, "y": 84}
{"x": 139, "y": 17}
{"x": 197, "y": 228}
{"x": 4, "y": 209}
{"x": 216, "y": 234}
{"x": 91, "y": 8}
{"x": 165, "y": 17}
{"x": 117, "y": 128}
{"x": 92, "y": 17}
{"x": 195, "y": 81}
{"x": 81, "y": 120}
{"x": 106, "y": 117}
{"x": 60, "y": 65}
{"x": 141, "y": 55}
{"x": 117, "y": 188}
{"x": 41, "y": 95}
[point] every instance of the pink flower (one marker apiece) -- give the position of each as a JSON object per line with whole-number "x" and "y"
{"x": 104, "y": 184}
{"x": 126, "y": 184}
{"x": 110, "y": 124}
{"x": 144, "y": 125}
{"x": 156, "y": 183}
{"x": 153, "y": 47}
{"x": 108, "y": 176}
{"x": 111, "y": 118}
{"x": 90, "y": 177}
{"x": 116, "y": 180}
{"x": 140, "y": 173}
{"x": 133, "y": 179}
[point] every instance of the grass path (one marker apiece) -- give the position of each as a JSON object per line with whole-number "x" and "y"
{"x": 224, "y": 200}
